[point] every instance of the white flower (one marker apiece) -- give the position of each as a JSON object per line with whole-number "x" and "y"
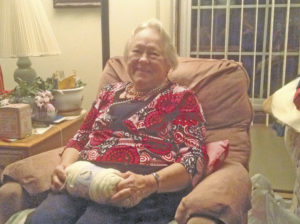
{"x": 40, "y": 105}
{"x": 43, "y": 100}
{"x": 39, "y": 101}
{"x": 46, "y": 99}
{"x": 49, "y": 94}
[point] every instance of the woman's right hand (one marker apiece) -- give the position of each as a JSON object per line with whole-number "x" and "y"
{"x": 69, "y": 156}
{"x": 58, "y": 178}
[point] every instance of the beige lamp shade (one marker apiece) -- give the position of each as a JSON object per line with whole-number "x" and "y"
{"x": 25, "y": 30}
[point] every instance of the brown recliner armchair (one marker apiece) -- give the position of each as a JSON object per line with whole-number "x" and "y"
{"x": 221, "y": 87}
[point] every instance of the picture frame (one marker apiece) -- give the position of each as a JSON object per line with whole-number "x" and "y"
{"x": 76, "y": 3}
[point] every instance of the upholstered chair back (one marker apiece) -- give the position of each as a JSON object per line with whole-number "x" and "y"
{"x": 221, "y": 87}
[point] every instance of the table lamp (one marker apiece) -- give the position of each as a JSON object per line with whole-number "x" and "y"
{"x": 25, "y": 32}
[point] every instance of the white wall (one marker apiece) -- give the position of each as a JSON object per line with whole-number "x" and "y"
{"x": 126, "y": 15}
{"x": 78, "y": 32}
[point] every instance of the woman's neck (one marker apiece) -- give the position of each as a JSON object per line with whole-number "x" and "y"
{"x": 132, "y": 91}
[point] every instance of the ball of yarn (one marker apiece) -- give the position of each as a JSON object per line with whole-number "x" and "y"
{"x": 85, "y": 179}
{"x": 104, "y": 185}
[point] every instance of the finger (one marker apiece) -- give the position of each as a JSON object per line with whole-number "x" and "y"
{"x": 60, "y": 173}
{"x": 55, "y": 186}
{"x": 127, "y": 203}
{"x": 125, "y": 183}
{"x": 55, "y": 189}
{"x": 181, "y": 216}
{"x": 121, "y": 195}
{"x": 125, "y": 175}
{"x": 56, "y": 183}
{"x": 62, "y": 176}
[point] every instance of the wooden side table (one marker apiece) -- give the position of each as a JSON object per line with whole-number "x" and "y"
{"x": 55, "y": 137}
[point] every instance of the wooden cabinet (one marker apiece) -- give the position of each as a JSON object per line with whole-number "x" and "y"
{"x": 55, "y": 137}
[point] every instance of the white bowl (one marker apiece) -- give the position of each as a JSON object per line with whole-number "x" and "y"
{"x": 66, "y": 100}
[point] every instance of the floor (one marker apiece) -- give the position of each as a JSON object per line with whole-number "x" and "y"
{"x": 270, "y": 158}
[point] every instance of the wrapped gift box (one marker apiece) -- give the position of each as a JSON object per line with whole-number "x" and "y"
{"x": 15, "y": 121}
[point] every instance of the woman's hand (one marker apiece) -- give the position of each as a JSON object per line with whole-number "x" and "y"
{"x": 133, "y": 189}
{"x": 58, "y": 178}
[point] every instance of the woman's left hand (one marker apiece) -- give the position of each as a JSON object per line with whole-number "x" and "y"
{"x": 133, "y": 189}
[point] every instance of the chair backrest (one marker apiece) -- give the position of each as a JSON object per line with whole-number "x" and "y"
{"x": 221, "y": 87}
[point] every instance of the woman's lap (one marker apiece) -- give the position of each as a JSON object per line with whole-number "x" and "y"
{"x": 58, "y": 208}
{"x": 65, "y": 209}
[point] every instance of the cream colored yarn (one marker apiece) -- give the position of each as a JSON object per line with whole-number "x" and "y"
{"x": 85, "y": 179}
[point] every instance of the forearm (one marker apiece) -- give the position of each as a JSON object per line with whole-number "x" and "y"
{"x": 136, "y": 187}
{"x": 173, "y": 178}
{"x": 69, "y": 156}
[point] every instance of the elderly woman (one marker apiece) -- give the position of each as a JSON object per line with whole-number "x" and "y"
{"x": 150, "y": 129}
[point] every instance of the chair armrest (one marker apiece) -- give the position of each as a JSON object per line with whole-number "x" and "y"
{"x": 33, "y": 173}
{"x": 224, "y": 195}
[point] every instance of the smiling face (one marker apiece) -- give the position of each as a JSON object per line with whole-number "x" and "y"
{"x": 146, "y": 63}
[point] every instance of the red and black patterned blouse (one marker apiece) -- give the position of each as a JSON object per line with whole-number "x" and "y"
{"x": 168, "y": 129}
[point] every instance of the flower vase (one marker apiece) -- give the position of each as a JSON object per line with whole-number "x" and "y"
{"x": 43, "y": 111}
{"x": 42, "y": 115}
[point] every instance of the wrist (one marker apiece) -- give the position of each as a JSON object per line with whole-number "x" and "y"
{"x": 151, "y": 183}
{"x": 156, "y": 178}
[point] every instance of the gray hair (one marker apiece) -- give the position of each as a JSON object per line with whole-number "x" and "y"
{"x": 169, "y": 51}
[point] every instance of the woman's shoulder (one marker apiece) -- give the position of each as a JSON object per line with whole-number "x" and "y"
{"x": 175, "y": 93}
{"x": 180, "y": 89}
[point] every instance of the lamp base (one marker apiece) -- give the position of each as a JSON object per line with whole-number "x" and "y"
{"x": 24, "y": 71}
